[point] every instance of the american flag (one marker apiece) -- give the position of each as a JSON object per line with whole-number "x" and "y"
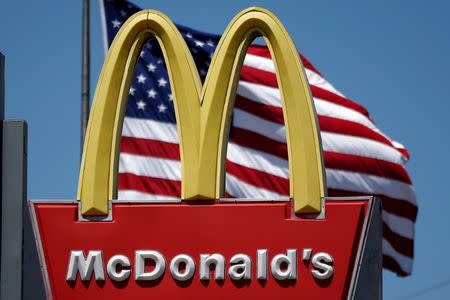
{"x": 359, "y": 158}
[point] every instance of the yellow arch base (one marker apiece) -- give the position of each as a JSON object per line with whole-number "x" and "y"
{"x": 203, "y": 115}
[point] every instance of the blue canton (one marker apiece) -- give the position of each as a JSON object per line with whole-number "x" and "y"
{"x": 150, "y": 94}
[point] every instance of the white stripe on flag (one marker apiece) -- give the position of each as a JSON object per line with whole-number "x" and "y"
{"x": 370, "y": 185}
{"x": 258, "y": 160}
{"x": 401, "y": 226}
{"x": 266, "y": 64}
{"x": 149, "y": 129}
{"x": 150, "y": 166}
{"x": 405, "y": 262}
{"x": 136, "y": 195}
{"x": 240, "y": 189}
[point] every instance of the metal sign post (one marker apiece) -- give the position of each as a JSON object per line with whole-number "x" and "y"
{"x": 20, "y": 272}
{"x": 2, "y": 96}
{"x": 13, "y": 202}
{"x": 2, "y": 86}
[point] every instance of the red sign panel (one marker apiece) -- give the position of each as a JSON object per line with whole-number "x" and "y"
{"x": 221, "y": 250}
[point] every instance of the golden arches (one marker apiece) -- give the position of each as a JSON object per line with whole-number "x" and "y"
{"x": 202, "y": 114}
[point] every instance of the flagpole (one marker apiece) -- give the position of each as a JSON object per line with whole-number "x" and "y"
{"x": 85, "y": 73}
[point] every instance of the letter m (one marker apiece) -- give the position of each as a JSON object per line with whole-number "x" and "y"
{"x": 85, "y": 266}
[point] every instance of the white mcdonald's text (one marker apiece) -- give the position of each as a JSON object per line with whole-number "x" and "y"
{"x": 151, "y": 265}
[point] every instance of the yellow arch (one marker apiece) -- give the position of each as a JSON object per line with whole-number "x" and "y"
{"x": 97, "y": 182}
{"x": 202, "y": 115}
{"x": 307, "y": 180}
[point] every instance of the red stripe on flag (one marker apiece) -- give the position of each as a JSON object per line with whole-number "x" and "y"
{"x": 360, "y": 164}
{"x": 400, "y": 243}
{"x": 268, "y": 112}
{"x": 403, "y": 151}
{"x": 258, "y": 142}
{"x": 398, "y": 207}
{"x": 263, "y": 51}
{"x": 258, "y": 178}
{"x": 150, "y": 185}
{"x": 148, "y": 147}
{"x": 391, "y": 264}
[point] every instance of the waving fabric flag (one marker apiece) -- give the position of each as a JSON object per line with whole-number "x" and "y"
{"x": 359, "y": 158}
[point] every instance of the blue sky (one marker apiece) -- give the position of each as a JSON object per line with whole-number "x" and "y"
{"x": 391, "y": 56}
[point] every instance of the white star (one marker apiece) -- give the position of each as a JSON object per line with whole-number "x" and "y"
{"x": 202, "y": 72}
{"x": 116, "y": 23}
{"x": 162, "y": 108}
{"x": 132, "y": 90}
{"x": 188, "y": 35}
{"x": 151, "y": 93}
{"x": 159, "y": 61}
{"x": 151, "y": 67}
{"x": 141, "y": 78}
{"x": 170, "y": 97}
{"x": 141, "y": 104}
{"x": 199, "y": 43}
{"x": 142, "y": 53}
{"x": 210, "y": 43}
{"x": 162, "y": 82}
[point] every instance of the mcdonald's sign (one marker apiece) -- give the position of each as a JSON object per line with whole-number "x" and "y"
{"x": 204, "y": 245}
